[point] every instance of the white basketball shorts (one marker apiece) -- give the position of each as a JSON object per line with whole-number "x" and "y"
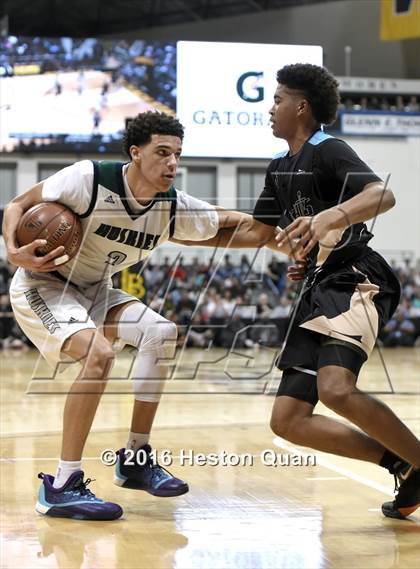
{"x": 49, "y": 311}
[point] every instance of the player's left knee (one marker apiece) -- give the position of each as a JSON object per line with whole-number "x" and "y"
{"x": 335, "y": 386}
{"x": 335, "y": 400}
{"x": 161, "y": 337}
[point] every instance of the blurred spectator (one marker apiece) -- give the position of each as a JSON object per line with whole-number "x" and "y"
{"x": 384, "y": 105}
{"x": 413, "y": 105}
{"x": 399, "y": 103}
{"x": 5, "y": 277}
{"x": 348, "y": 104}
{"x": 265, "y": 332}
{"x": 234, "y": 334}
{"x": 228, "y": 303}
{"x": 178, "y": 271}
{"x": 374, "y": 104}
{"x": 153, "y": 275}
{"x": 198, "y": 335}
{"x": 244, "y": 308}
{"x": 364, "y": 105}
{"x": 264, "y": 307}
{"x": 276, "y": 272}
{"x": 282, "y": 310}
{"x": 11, "y": 337}
{"x": 399, "y": 331}
{"x": 414, "y": 310}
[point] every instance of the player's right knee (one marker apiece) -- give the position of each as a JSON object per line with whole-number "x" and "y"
{"x": 101, "y": 356}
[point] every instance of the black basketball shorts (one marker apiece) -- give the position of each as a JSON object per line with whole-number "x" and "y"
{"x": 337, "y": 322}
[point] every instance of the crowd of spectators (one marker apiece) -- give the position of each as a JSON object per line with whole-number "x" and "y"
{"x": 224, "y": 303}
{"x": 80, "y": 144}
{"x": 387, "y": 103}
{"x": 230, "y": 304}
{"x": 404, "y": 327}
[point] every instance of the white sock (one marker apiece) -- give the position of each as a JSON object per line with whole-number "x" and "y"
{"x": 64, "y": 470}
{"x": 137, "y": 440}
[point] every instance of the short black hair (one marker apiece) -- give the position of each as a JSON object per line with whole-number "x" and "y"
{"x": 318, "y": 86}
{"x": 140, "y": 129}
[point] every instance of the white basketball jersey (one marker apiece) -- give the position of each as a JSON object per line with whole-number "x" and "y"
{"x": 117, "y": 234}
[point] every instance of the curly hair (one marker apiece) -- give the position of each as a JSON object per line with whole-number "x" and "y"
{"x": 318, "y": 86}
{"x": 140, "y": 129}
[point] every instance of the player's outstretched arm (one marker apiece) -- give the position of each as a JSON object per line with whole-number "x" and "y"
{"x": 241, "y": 230}
{"x": 237, "y": 231}
{"x": 26, "y": 256}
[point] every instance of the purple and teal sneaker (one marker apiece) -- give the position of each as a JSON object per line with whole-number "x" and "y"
{"x": 73, "y": 500}
{"x": 150, "y": 476}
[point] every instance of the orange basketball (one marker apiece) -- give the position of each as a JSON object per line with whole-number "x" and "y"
{"x": 54, "y": 222}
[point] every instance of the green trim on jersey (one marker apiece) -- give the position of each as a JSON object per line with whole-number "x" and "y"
{"x": 94, "y": 196}
{"x": 172, "y": 196}
{"x": 109, "y": 174}
{"x": 169, "y": 195}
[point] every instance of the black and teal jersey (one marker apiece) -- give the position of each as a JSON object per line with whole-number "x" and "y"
{"x": 324, "y": 173}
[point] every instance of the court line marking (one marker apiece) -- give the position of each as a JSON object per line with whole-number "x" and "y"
{"x": 328, "y": 478}
{"x": 105, "y": 430}
{"x": 278, "y": 442}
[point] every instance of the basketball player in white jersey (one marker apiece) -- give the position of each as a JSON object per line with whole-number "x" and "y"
{"x": 70, "y": 311}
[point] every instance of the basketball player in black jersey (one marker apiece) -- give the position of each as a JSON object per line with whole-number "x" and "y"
{"x": 321, "y": 193}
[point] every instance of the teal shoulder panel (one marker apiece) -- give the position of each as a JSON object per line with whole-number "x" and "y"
{"x": 319, "y": 137}
{"x": 281, "y": 154}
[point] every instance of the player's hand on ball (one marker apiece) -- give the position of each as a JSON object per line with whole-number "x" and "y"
{"x": 27, "y": 258}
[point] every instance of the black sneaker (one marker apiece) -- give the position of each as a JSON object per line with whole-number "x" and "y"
{"x": 407, "y": 499}
{"x": 150, "y": 476}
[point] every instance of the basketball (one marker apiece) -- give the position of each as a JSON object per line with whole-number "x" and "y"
{"x": 54, "y": 222}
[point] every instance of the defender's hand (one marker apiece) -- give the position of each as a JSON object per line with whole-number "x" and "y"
{"x": 26, "y": 257}
{"x": 297, "y": 271}
{"x": 305, "y": 232}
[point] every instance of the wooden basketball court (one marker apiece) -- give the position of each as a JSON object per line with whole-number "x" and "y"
{"x": 244, "y": 516}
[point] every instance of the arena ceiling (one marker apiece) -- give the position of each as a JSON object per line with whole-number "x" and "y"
{"x": 82, "y": 18}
